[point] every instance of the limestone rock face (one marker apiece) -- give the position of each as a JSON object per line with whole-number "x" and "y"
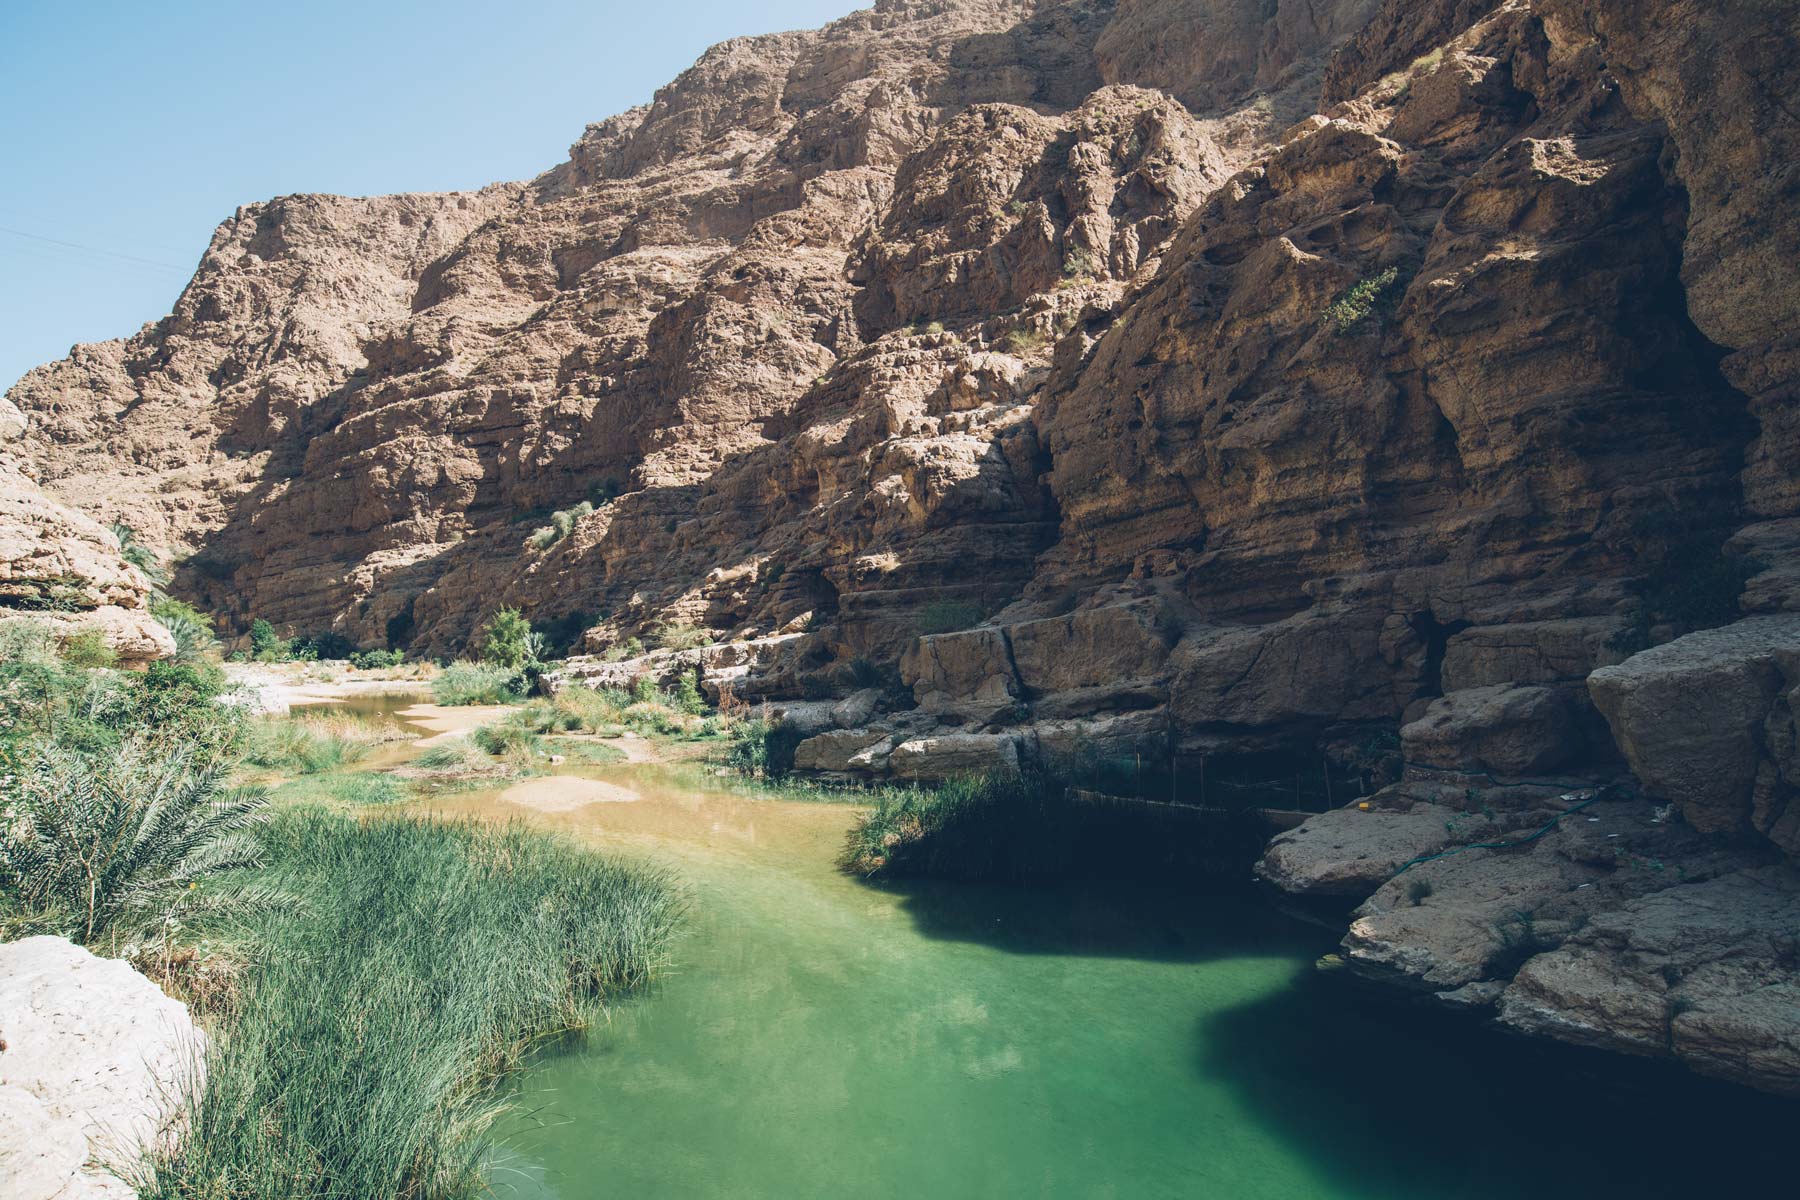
{"x": 1502, "y": 729}
{"x": 1707, "y": 722}
{"x": 952, "y": 755}
{"x": 60, "y": 567}
{"x": 1702, "y": 973}
{"x": 1205, "y": 382}
{"x": 97, "y": 1065}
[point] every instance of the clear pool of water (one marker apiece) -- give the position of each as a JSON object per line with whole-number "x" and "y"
{"x": 819, "y": 1036}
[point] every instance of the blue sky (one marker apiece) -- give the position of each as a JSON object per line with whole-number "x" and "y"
{"x": 129, "y": 130}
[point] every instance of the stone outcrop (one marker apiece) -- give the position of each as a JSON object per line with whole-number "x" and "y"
{"x": 96, "y": 1070}
{"x": 1707, "y": 723}
{"x": 61, "y": 568}
{"x": 1503, "y": 730}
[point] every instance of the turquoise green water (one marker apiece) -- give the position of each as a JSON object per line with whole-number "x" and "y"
{"x": 820, "y": 1037}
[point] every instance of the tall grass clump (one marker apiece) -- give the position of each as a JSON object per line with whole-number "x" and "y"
{"x": 477, "y": 683}
{"x": 1039, "y": 824}
{"x": 421, "y": 960}
{"x": 761, "y": 748}
{"x": 1006, "y": 825}
{"x": 508, "y": 739}
{"x": 310, "y": 745}
{"x": 116, "y": 841}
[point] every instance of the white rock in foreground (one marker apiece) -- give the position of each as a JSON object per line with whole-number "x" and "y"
{"x": 96, "y": 1065}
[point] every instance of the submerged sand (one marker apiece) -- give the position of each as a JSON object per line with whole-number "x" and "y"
{"x": 565, "y": 793}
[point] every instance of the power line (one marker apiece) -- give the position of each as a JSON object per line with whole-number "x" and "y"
{"x": 149, "y": 262}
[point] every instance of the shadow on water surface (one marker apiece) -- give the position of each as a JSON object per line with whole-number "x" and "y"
{"x": 1383, "y": 1092}
{"x": 1105, "y": 919}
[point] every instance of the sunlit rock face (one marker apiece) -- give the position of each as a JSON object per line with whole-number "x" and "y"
{"x": 1192, "y": 380}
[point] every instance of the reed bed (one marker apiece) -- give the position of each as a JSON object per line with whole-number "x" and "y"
{"x": 417, "y": 961}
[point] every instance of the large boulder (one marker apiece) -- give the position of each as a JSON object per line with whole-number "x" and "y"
{"x": 1502, "y": 729}
{"x": 844, "y": 750}
{"x": 966, "y": 675}
{"x": 1349, "y": 852}
{"x": 1319, "y": 667}
{"x": 97, "y": 1067}
{"x": 1561, "y": 650}
{"x": 1706, "y": 722}
{"x": 951, "y": 755}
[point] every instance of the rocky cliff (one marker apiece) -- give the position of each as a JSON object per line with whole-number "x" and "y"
{"x": 1293, "y": 395}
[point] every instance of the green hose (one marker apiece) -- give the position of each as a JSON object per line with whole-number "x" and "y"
{"x": 1530, "y": 837}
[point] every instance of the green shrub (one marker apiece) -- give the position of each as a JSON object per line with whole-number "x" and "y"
{"x": 88, "y": 649}
{"x": 509, "y": 641}
{"x": 369, "y": 660}
{"x": 687, "y": 696}
{"x": 677, "y": 636}
{"x": 309, "y": 746}
{"x": 266, "y": 645}
{"x": 645, "y": 691}
{"x": 191, "y": 628}
{"x": 180, "y": 700}
{"x": 1364, "y": 299}
{"x": 419, "y": 960}
{"x": 949, "y": 616}
{"x": 477, "y": 683}
{"x": 370, "y": 788}
{"x": 508, "y": 739}
{"x": 458, "y": 753}
{"x": 114, "y": 842}
{"x": 762, "y": 748}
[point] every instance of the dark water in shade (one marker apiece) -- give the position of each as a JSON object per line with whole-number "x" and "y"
{"x": 821, "y": 1037}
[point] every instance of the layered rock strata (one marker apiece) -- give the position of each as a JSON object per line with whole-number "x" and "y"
{"x": 1283, "y": 393}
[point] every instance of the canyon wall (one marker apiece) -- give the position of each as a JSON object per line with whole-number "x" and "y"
{"x": 1219, "y": 384}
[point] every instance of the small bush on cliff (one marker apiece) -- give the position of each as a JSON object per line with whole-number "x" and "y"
{"x": 949, "y": 616}
{"x": 477, "y": 683}
{"x": 1023, "y": 341}
{"x": 88, "y": 649}
{"x": 676, "y": 635}
{"x": 1366, "y": 298}
{"x": 562, "y": 524}
{"x": 140, "y": 556}
{"x": 627, "y": 649}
